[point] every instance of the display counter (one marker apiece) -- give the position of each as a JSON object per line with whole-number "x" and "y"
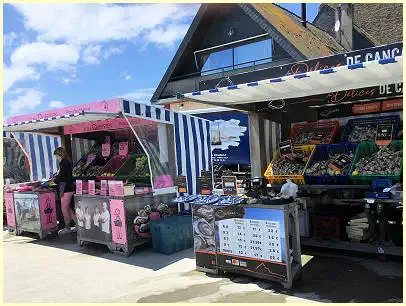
{"x": 109, "y": 220}
{"x": 31, "y": 211}
{"x": 255, "y": 240}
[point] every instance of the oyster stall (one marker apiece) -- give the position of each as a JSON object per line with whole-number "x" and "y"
{"x": 135, "y": 151}
{"x": 341, "y": 129}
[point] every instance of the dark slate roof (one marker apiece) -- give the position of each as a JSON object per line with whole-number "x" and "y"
{"x": 381, "y": 24}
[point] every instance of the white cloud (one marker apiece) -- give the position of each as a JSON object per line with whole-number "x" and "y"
{"x": 142, "y": 95}
{"x": 167, "y": 36}
{"x": 95, "y": 23}
{"x": 127, "y": 76}
{"x": 110, "y": 51}
{"x": 53, "y": 56}
{"x": 91, "y": 54}
{"x": 28, "y": 100}
{"x": 56, "y": 104}
{"x": 14, "y": 74}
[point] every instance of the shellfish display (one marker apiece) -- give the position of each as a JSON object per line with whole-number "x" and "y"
{"x": 322, "y": 167}
{"x": 307, "y": 136}
{"x": 289, "y": 164}
{"x": 386, "y": 161}
{"x": 362, "y": 133}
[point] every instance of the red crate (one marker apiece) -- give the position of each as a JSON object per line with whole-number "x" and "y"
{"x": 308, "y": 127}
{"x": 326, "y": 227}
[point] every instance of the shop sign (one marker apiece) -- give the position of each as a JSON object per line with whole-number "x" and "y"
{"x": 392, "y": 105}
{"x": 384, "y": 134}
{"x": 123, "y": 148}
{"x": 229, "y": 185}
{"x": 343, "y": 59}
{"x": 366, "y": 108}
{"x": 181, "y": 183}
{"x": 205, "y": 185}
{"x": 285, "y": 147}
{"x": 106, "y": 149}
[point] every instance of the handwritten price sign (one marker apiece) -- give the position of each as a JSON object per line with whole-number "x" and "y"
{"x": 123, "y": 148}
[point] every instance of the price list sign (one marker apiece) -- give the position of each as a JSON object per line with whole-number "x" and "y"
{"x": 384, "y": 134}
{"x": 258, "y": 239}
{"x": 285, "y": 147}
{"x": 229, "y": 185}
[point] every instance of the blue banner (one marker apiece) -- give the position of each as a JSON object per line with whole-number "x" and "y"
{"x": 229, "y": 137}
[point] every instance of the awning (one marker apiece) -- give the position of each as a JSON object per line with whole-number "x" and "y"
{"x": 368, "y": 74}
{"x": 52, "y": 122}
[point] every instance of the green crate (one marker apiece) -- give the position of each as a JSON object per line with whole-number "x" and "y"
{"x": 367, "y": 148}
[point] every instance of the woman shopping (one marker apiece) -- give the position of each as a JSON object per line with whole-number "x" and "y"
{"x": 64, "y": 181}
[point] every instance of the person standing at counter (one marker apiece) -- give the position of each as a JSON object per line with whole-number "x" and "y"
{"x": 64, "y": 181}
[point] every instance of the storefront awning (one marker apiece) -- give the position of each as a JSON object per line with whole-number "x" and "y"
{"x": 58, "y": 121}
{"x": 374, "y": 73}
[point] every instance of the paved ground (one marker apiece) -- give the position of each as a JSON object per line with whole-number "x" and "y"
{"x": 60, "y": 271}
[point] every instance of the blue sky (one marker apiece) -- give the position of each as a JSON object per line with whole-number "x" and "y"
{"x": 58, "y": 55}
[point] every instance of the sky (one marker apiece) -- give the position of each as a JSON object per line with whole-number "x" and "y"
{"x": 58, "y": 55}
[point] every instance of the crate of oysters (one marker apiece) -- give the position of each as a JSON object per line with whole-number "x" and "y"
{"x": 330, "y": 164}
{"x": 372, "y": 162}
{"x": 314, "y": 133}
{"x": 289, "y": 166}
{"x": 364, "y": 129}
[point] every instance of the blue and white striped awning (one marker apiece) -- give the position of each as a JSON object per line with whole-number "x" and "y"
{"x": 368, "y": 74}
{"x": 53, "y": 122}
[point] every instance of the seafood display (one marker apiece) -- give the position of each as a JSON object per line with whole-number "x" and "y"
{"x": 79, "y": 169}
{"x": 289, "y": 164}
{"x": 230, "y": 200}
{"x": 95, "y": 170}
{"x": 203, "y": 228}
{"x": 315, "y": 134}
{"x": 386, "y": 161}
{"x": 322, "y": 167}
{"x": 362, "y": 133}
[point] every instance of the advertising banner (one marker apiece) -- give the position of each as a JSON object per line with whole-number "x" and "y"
{"x": 229, "y": 137}
{"x": 27, "y": 211}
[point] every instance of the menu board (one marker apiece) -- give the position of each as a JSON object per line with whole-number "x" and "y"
{"x": 258, "y": 239}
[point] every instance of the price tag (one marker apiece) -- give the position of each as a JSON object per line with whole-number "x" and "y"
{"x": 205, "y": 173}
{"x": 90, "y": 158}
{"x": 181, "y": 183}
{"x": 79, "y": 187}
{"x": 205, "y": 185}
{"x": 383, "y": 134}
{"x": 229, "y": 185}
{"x": 123, "y": 148}
{"x": 92, "y": 187}
{"x": 340, "y": 163}
{"x": 103, "y": 187}
{"x": 318, "y": 137}
{"x": 105, "y": 149}
{"x": 285, "y": 147}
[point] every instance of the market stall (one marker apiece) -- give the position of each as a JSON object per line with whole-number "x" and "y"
{"x": 136, "y": 151}
{"x": 341, "y": 143}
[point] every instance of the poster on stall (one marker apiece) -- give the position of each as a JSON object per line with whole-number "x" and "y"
{"x": 93, "y": 218}
{"x": 48, "y": 210}
{"x": 9, "y": 199}
{"x": 118, "y": 226}
{"x": 251, "y": 238}
{"x": 27, "y": 211}
{"x": 229, "y": 137}
{"x": 204, "y": 236}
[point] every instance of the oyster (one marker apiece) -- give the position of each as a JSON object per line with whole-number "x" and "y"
{"x": 202, "y": 228}
{"x": 386, "y": 161}
{"x": 289, "y": 164}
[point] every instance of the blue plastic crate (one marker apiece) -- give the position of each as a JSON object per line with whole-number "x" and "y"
{"x": 395, "y": 120}
{"x": 172, "y": 234}
{"x": 321, "y": 153}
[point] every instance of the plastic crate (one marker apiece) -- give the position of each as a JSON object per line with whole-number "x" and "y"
{"x": 321, "y": 153}
{"x": 296, "y": 178}
{"x": 172, "y": 234}
{"x": 113, "y": 165}
{"x": 308, "y": 127}
{"x": 326, "y": 227}
{"x": 367, "y": 148}
{"x": 395, "y": 120}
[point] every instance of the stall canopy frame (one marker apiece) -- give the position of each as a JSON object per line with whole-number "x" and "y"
{"x": 192, "y": 134}
{"x": 368, "y": 74}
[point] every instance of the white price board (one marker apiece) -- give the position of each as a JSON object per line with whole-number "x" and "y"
{"x": 258, "y": 239}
